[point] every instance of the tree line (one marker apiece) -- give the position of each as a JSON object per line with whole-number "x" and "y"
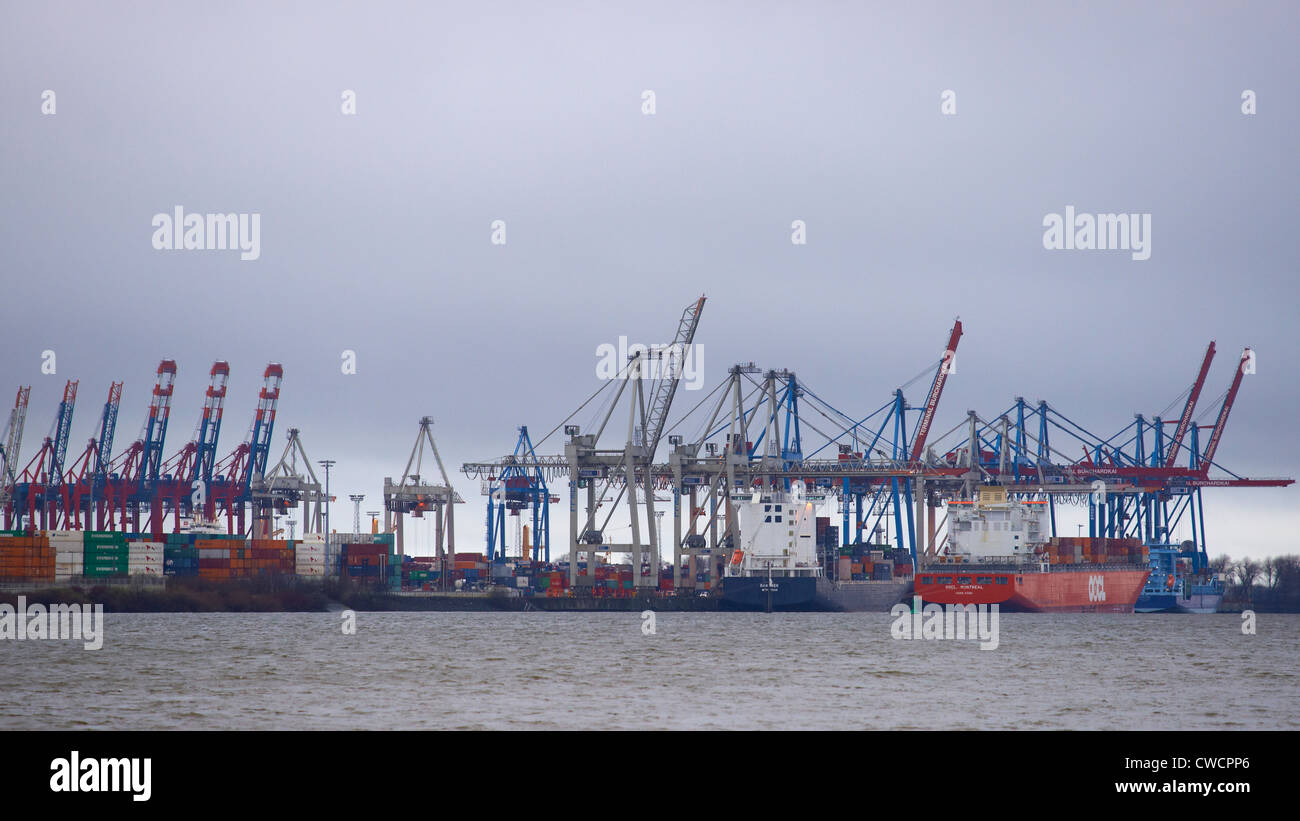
{"x": 1271, "y": 584}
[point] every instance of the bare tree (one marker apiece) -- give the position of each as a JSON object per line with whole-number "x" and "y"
{"x": 1248, "y": 571}
{"x": 1269, "y": 568}
{"x": 1223, "y": 564}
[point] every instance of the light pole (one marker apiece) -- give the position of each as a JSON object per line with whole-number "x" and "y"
{"x": 356, "y": 510}
{"x": 327, "y": 464}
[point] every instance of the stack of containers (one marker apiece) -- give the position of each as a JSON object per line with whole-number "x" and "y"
{"x": 309, "y": 556}
{"x": 666, "y": 580}
{"x": 501, "y": 572}
{"x": 26, "y": 558}
{"x": 334, "y": 550}
{"x": 69, "y": 553}
{"x": 144, "y": 558}
{"x": 422, "y": 572}
{"x": 180, "y": 556}
{"x": 106, "y": 554}
{"x": 472, "y": 567}
{"x": 394, "y": 560}
{"x": 417, "y": 574}
{"x": 215, "y": 557}
{"x": 269, "y": 557}
{"x": 556, "y": 584}
{"x": 374, "y": 561}
{"x": 523, "y": 574}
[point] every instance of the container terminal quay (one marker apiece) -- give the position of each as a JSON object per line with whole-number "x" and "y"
{"x": 761, "y": 496}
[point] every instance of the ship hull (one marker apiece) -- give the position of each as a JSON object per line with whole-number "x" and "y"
{"x": 1086, "y": 590}
{"x": 1200, "y": 603}
{"x": 812, "y": 594}
{"x": 1156, "y": 603}
{"x": 787, "y": 593}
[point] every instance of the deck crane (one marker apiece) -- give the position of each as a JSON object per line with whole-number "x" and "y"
{"x": 235, "y": 475}
{"x": 41, "y": 484}
{"x": 936, "y": 390}
{"x": 89, "y": 474}
{"x": 1189, "y": 408}
{"x": 134, "y": 473}
{"x": 12, "y": 445}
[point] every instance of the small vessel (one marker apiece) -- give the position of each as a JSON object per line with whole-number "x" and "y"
{"x": 1180, "y": 582}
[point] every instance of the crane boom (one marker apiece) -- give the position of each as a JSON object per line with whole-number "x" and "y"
{"x": 1186, "y": 419}
{"x": 155, "y": 426}
{"x": 936, "y": 390}
{"x": 107, "y": 428}
{"x": 1224, "y": 410}
{"x": 13, "y": 444}
{"x": 205, "y": 455}
{"x": 62, "y": 432}
{"x": 666, "y": 387}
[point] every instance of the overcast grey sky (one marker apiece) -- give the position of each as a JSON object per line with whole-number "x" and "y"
{"x": 375, "y": 228}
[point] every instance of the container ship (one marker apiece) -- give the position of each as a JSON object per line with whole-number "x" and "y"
{"x": 998, "y": 553}
{"x": 1180, "y": 583}
{"x": 780, "y": 562}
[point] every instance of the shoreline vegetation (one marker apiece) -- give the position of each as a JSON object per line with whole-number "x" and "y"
{"x": 1268, "y": 586}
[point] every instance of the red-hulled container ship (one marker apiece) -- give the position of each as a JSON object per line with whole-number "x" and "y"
{"x": 997, "y": 553}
